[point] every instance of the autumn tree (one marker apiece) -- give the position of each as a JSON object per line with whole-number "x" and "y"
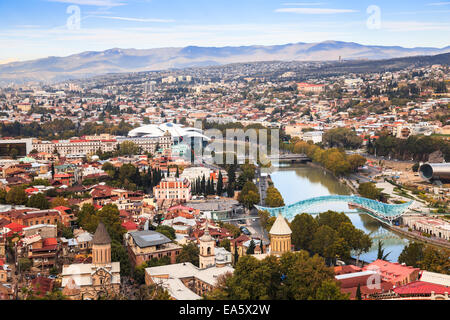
{"x": 274, "y": 199}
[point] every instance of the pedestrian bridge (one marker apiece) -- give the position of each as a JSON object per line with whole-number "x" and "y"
{"x": 384, "y": 212}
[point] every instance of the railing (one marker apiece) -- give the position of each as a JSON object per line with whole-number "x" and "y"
{"x": 382, "y": 211}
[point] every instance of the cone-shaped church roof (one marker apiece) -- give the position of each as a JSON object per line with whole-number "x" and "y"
{"x": 101, "y": 235}
{"x": 280, "y": 226}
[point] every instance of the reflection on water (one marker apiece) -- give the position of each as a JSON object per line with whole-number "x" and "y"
{"x": 299, "y": 182}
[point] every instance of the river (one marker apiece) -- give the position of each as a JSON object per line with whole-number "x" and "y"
{"x": 301, "y": 182}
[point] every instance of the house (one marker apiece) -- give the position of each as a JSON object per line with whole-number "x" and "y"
{"x": 395, "y": 273}
{"x": 173, "y": 189}
{"x": 146, "y": 245}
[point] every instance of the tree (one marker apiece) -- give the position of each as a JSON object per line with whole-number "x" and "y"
{"x": 303, "y": 227}
{"x": 330, "y": 290}
{"x": 234, "y": 230}
{"x": 225, "y": 243}
{"x": 412, "y": 254}
{"x": 435, "y": 260}
{"x": 128, "y": 148}
{"x": 274, "y": 199}
{"x": 251, "y": 247}
{"x": 189, "y": 253}
{"x": 342, "y": 138}
{"x": 38, "y": 201}
{"x": 294, "y": 276}
{"x": 169, "y": 232}
{"x": 369, "y": 190}
{"x": 356, "y": 161}
{"x": 324, "y": 242}
{"x": 119, "y": 253}
{"x": 109, "y": 215}
{"x": 25, "y": 264}
{"x": 249, "y": 195}
{"x": 17, "y": 196}
{"x": 153, "y": 292}
{"x": 358, "y": 292}
{"x": 220, "y": 184}
{"x": 59, "y": 202}
{"x": 380, "y": 251}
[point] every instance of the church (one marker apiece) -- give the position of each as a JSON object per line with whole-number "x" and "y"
{"x": 185, "y": 281}
{"x": 98, "y": 279}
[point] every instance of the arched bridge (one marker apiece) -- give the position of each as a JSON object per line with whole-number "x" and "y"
{"x": 381, "y": 211}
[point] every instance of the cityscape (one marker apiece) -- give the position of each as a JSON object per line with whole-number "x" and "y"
{"x": 244, "y": 171}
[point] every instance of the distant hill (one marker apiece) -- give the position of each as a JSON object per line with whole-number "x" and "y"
{"x": 89, "y": 64}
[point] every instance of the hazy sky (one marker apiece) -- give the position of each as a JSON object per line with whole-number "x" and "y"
{"x": 40, "y": 28}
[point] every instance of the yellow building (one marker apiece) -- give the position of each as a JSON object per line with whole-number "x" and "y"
{"x": 280, "y": 237}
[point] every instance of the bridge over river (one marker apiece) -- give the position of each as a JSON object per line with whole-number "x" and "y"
{"x": 386, "y": 213}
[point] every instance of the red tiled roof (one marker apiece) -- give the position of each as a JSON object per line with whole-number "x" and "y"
{"x": 130, "y": 225}
{"x": 421, "y": 287}
{"x": 61, "y": 208}
{"x": 15, "y": 227}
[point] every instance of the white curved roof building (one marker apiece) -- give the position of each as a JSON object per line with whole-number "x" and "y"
{"x": 176, "y": 131}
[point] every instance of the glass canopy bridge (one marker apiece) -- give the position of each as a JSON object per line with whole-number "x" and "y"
{"x": 386, "y": 213}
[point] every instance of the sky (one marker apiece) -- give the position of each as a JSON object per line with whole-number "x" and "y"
{"x": 31, "y": 29}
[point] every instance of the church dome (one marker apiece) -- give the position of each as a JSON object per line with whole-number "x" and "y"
{"x": 101, "y": 235}
{"x": 280, "y": 227}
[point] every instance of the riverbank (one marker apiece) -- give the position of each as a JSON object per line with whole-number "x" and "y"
{"x": 344, "y": 180}
{"x": 414, "y": 236}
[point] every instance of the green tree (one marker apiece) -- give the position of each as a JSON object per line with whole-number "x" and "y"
{"x": 17, "y": 196}
{"x": 330, "y": 290}
{"x": 249, "y": 195}
{"x": 225, "y": 243}
{"x": 380, "y": 251}
{"x": 412, "y": 254}
{"x": 25, "y": 264}
{"x": 303, "y": 227}
{"x": 220, "y": 184}
{"x": 169, "y": 232}
{"x": 189, "y": 253}
{"x": 358, "y": 292}
{"x": 369, "y": 190}
{"x": 119, "y": 254}
{"x": 324, "y": 242}
{"x": 435, "y": 260}
{"x": 251, "y": 247}
{"x": 152, "y": 292}
{"x": 38, "y": 201}
{"x": 128, "y": 148}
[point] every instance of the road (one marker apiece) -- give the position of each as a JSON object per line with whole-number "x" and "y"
{"x": 252, "y": 222}
{"x": 262, "y": 185}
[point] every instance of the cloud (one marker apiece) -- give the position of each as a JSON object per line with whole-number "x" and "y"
{"x": 134, "y": 19}
{"x": 314, "y": 10}
{"x": 96, "y": 3}
{"x": 434, "y": 4}
{"x": 404, "y": 26}
{"x": 304, "y": 4}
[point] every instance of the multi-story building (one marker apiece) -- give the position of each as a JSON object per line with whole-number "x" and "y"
{"x": 173, "y": 189}
{"x": 75, "y": 146}
{"x": 435, "y": 227}
{"x": 146, "y": 245}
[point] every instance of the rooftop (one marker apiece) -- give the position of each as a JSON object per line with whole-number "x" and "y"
{"x": 149, "y": 238}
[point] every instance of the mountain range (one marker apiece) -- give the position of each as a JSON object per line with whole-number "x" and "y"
{"x": 92, "y": 63}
